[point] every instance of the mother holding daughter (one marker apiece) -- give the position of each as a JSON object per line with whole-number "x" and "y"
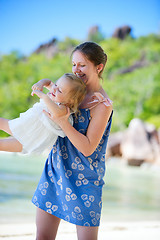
{"x": 71, "y": 184}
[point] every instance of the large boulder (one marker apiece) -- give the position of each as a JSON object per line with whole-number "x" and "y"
{"x": 48, "y": 49}
{"x": 135, "y": 145}
{"x": 114, "y": 143}
{"x": 122, "y": 32}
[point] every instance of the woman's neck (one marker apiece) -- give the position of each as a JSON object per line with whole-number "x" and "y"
{"x": 90, "y": 91}
{"x": 94, "y": 87}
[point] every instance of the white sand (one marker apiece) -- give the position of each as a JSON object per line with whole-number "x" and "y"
{"x": 107, "y": 231}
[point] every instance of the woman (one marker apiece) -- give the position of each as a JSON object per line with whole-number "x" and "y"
{"x": 71, "y": 184}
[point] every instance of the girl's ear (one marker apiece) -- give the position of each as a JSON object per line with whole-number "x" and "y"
{"x": 100, "y": 67}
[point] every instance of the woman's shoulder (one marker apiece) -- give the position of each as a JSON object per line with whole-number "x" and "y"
{"x": 100, "y": 97}
{"x": 103, "y": 98}
{"x": 93, "y": 100}
{"x": 100, "y": 105}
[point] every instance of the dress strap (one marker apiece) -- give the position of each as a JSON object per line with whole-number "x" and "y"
{"x": 98, "y": 98}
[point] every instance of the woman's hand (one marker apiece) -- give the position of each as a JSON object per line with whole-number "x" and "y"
{"x": 62, "y": 120}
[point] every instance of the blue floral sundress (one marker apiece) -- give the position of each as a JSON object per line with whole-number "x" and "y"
{"x": 71, "y": 184}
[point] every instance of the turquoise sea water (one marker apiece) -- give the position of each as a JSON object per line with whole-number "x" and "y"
{"x": 130, "y": 193}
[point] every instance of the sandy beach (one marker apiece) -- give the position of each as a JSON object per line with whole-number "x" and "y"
{"x": 131, "y": 202}
{"x": 107, "y": 231}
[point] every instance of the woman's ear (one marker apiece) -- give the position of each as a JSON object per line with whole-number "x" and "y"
{"x": 100, "y": 67}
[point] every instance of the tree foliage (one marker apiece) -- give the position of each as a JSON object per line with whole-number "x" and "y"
{"x": 134, "y": 93}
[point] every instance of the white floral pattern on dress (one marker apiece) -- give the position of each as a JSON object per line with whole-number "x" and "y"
{"x": 59, "y": 182}
{"x": 87, "y": 200}
{"x": 68, "y": 173}
{"x": 70, "y": 196}
{"x": 51, "y": 207}
{"x": 63, "y": 152}
{"x": 34, "y": 200}
{"x": 50, "y": 174}
{"x": 77, "y": 213}
{"x": 82, "y": 180}
{"x": 95, "y": 217}
{"x": 43, "y": 188}
{"x": 77, "y": 164}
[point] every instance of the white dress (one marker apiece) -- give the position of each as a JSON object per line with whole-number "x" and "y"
{"x": 34, "y": 130}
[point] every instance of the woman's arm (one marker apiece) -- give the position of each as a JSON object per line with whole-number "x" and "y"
{"x": 54, "y": 109}
{"x": 88, "y": 143}
{"x": 47, "y": 83}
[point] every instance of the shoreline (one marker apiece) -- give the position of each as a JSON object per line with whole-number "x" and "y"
{"x": 67, "y": 231}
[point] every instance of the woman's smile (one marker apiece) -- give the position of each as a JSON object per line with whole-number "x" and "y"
{"x": 82, "y": 76}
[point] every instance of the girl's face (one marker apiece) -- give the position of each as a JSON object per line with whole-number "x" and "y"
{"x": 84, "y": 68}
{"x": 60, "y": 90}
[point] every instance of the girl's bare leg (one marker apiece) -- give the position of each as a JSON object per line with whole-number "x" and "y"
{"x": 87, "y": 233}
{"x": 47, "y": 225}
{"x": 4, "y": 125}
{"x": 9, "y": 144}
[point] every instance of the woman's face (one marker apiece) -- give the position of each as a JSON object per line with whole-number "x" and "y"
{"x": 84, "y": 68}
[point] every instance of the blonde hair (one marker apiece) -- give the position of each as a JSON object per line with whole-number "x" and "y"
{"x": 77, "y": 92}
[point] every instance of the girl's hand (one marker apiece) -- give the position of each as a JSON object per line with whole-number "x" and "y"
{"x": 47, "y": 83}
{"x": 39, "y": 93}
{"x": 38, "y": 86}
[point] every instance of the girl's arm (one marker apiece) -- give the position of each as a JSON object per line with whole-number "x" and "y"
{"x": 88, "y": 143}
{"x": 54, "y": 109}
{"x": 47, "y": 83}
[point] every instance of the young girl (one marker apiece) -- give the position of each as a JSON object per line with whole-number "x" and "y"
{"x": 33, "y": 131}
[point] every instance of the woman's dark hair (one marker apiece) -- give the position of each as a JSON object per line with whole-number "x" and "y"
{"x": 94, "y": 53}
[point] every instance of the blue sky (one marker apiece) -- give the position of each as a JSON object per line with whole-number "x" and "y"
{"x": 25, "y": 24}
